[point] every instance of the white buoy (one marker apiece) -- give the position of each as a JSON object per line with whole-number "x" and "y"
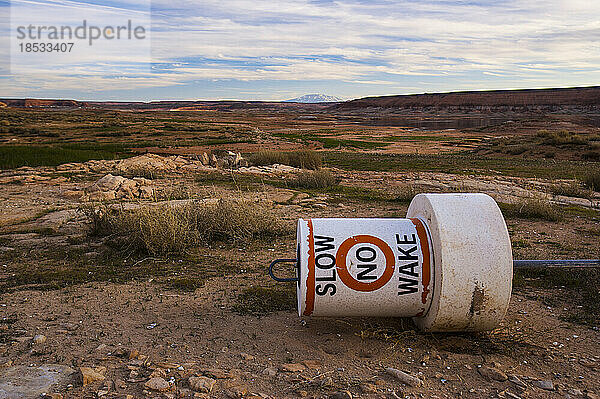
{"x": 448, "y": 265}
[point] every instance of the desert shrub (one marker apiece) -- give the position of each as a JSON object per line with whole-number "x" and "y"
{"x": 519, "y": 149}
{"x": 593, "y": 155}
{"x": 533, "y": 208}
{"x": 573, "y": 189}
{"x": 592, "y": 179}
{"x": 562, "y": 137}
{"x": 315, "y": 179}
{"x": 305, "y": 159}
{"x": 406, "y": 193}
{"x": 175, "y": 227}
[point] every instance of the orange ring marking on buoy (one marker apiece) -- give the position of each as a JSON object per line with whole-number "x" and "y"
{"x": 342, "y": 267}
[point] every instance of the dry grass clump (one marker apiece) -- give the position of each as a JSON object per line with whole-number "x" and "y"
{"x": 304, "y": 159}
{"x": 176, "y": 226}
{"x": 314, "y": 180}
{"x": 562, "y": 137}
{"x": 532, "y": 208}
{"x": 592, "y": 180}
{"x": 572, "y": 189}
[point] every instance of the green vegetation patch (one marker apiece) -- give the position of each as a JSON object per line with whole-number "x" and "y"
{"x": 305, "y": 159}
{"x": 15, "y": 156}
{"x": 459, "y": 164}
{"x": 260, "y": 301}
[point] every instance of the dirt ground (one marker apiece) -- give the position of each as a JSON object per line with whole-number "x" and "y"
{"x": 138, "y": 327}
{"x": 134, "y": 325}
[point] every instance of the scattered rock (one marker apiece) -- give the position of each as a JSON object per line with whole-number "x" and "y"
{"x": 312, "y": 364}
{"x": 157, "y": 384}
{"x": 89, "y": 374}
{"x": 367, "y": 387}
{"x": 247, "y": 357}
{"x": 234, "y": 389}
{"x": 39, "y": 339}
{"x": 544, "y": 384}
{"x": 293, "y": 367}
{"x": 589, "y": 363}
{"x": 515, "y": 380}
{"x": 202, "y": 384}
{"x": 341, "y": 395}
{"x": 493, "y": 373}
{"x": 270, "y": 371}
{"x": 404, "y": 377}
{"x": 219, "y": 374}
{"x": 112, "y": 187}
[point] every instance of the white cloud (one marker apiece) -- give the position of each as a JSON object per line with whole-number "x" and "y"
{"x": 367, "y": 43}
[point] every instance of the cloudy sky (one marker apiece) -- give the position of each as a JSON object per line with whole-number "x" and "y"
{"x": 275, "y": 50}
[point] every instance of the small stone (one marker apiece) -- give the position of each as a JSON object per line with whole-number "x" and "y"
{"x": 247, "y": 357}
{"x": 589, "y": 364}
{"x": 575, "y": 392}
{"x": 591, "y": 395}
{"x": 89, "y": 375}
{"x": 53, "y": 396}
{"x": 159, "y": 372}
{"x": 234, "y": 389}
{"x": 167, "y": 365}
{"x": 202, "y": 384}
{"x": 544, "y": 384}
{"x": 493, "y": 373}
{"x": 341, "y": 395}
{"x": 293, "y": 367}
{"x": 515, "y": 380}
{"x": 404, "y": 377}
{"x": 39, "y": 339}
{"x": 270, "y": 371}
{"x": 219, "y": 374}
{"x": 367, "y": 387}
{"x": 157, "y": 384}
{"x": 312, "y": 364}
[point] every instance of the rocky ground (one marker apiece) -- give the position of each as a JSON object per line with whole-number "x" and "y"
{"x": 140, "y": 336}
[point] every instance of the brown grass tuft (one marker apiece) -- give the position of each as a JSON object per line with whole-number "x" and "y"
{"x": 315, "y": 179}
{"x": 176, "y": 226}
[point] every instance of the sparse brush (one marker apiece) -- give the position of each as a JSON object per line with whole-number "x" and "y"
{"x": 406, "y": 193}
{"x": 592, "y": 179}
{"x": 572, "y": 189}
{"x": 533, "y": 208}
{"x": 562, "y": 137}
{"x": 175, "y": 227}
{"x": 304, "y": 159}
{"x": 314, "y": 180}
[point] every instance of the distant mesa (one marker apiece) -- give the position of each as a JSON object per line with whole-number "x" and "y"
{"x": 315, "y": 98}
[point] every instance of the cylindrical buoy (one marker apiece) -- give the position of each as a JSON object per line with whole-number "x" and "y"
{"x": 448, "y": 265}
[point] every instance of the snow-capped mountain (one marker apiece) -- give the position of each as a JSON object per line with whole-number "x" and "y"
{"x": 315, "y": 98}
